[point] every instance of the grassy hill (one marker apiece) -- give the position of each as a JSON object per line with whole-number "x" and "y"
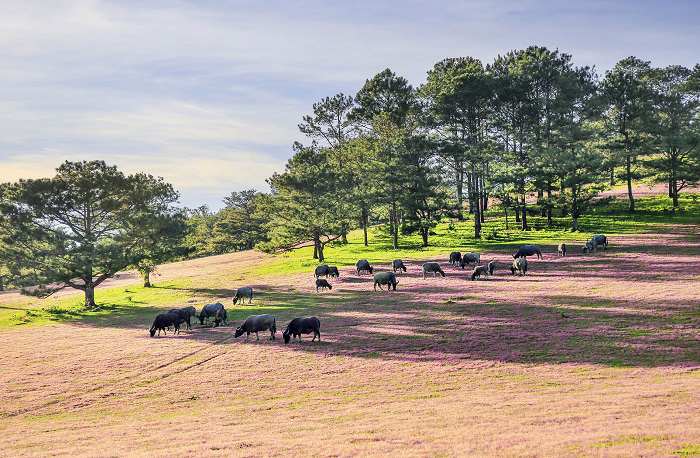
{"x": 592, "y": 354}
{"x": 220, "y": 274}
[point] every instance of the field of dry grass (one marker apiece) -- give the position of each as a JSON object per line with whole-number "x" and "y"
{"x": 595, "y": 354}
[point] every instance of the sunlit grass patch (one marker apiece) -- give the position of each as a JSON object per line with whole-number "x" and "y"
{"x": 629, "y": 439}
{"x": 687, "y": 450}
{"x": 642, "y": 332}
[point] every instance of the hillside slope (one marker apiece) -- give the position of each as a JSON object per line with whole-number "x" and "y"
{"x": 592, "y": 354}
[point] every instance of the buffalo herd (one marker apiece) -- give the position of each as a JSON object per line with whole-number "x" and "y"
{"x": 298, "y": 326}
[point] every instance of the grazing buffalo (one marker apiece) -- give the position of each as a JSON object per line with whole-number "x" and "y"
{"x": 601, "y": 240}
{"x": 590, "y": 247}
{"x": 322, "y": 271}
{"x": 432, "y": 267}
{"x": 492, "y": 267}
{"x": 333, "y": 272}
{"x": 397, "y": 264}
{"x": 455, "y": 257}
{"x": 191, "y": 310}
{"x": 479, "y": 271}
{"x": 519, "y": 265}
{"x": 242, "y": 293}
{"x": 385, "y": 278}
{"x": 470, "y": 257}
{"x": 323, "y": 284}
{"x": 528, "y": 250}
{"x": 257, "y": 323}
{"x": 561, "y": 250}
{"x": 363, "y": 266}
{"x": 215, "y": 310}
{"x": 299, "y": 326}
{"x": 183, "y": 316}
{"x": 163, "y": 321}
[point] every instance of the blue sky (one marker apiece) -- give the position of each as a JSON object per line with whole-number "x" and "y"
{"x": 208, "y": 94}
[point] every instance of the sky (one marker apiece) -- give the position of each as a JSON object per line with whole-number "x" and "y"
{"x": 208, "y": 93}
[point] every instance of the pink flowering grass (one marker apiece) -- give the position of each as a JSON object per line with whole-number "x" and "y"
{"x": 592, "y": 354}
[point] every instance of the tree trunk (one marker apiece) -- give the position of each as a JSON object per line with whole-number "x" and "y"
{"x": 482, "y": 198}
{"x": 424, "y": 233}
{"x": 146, "y": 279}
{"x": 460, "y": 195}
{"x": 394, "y": 217}
{"x": 344, "y": 233}
{"x": 474, "y": 202}
{"x": 477, "y": 220}
{"x": 365, "y": 218}
{"x": 540, "y": 196}
{"x": 315, "y": 245}
{"x": 574, "y": 215}
{"x": 675, "y": 192}
{"x": 674, "y": 182}
{"x": 320, "y": 252}
{"x": 549, "y": 204}
{"x": 629, "y": 183}
{"x": 612, "y": 175}
{"x": 89, "y": 295}
{"x": 517, "y": 211}
{"x": 2, "y": 284}
{"x": 524, "y": 215}
{"x": 505, "y": 210}
{"x": 470, "y": 185}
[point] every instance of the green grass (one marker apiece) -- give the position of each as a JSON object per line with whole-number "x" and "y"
{"x": 688, "y": 450}
{"x": 654, "y": 213}
{"x": 628, "y": 440}
{"x": 132, "y": 301}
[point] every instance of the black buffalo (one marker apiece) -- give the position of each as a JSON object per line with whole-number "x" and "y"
{"x": 528, "y": 250}
{"x": 363, "y": 266}
{"x": 299, "y": 326}
{"x": 163, "y": 321}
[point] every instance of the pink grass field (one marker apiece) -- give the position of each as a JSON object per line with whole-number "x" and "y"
{"x": 590, "y": 355}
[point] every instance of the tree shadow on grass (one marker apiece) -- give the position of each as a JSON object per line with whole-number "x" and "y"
{"x": 403, "y": 326}
{"x": 660, "y": 270}
{"x": 402, "y": 329}
{"x": 5, "y": 307}
{"x": 361, "y": 279}
{"x": 452, "y": 321}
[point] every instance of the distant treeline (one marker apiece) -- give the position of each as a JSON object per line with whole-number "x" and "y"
{"x": 528, "y": 124}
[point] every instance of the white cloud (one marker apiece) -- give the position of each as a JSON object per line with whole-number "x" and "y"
{"x": 197, "y": 91}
